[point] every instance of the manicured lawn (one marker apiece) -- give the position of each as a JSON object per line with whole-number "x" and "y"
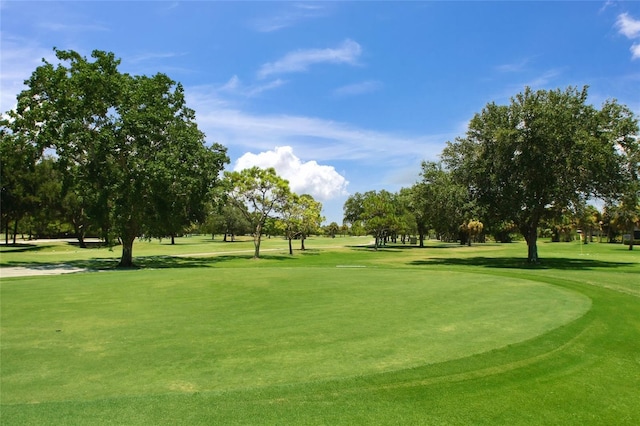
{"x": 338, "y": 334}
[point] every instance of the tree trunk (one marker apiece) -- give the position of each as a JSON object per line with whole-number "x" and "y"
{"x": 256, "y": 241}
{"x": 290, "y": 247}
{"x": 79, "y": 234}
{"x": 105, "y": 235}
{"x": 302, "y": 238}
{"x": 531, "y": 236}
{"x": 173, "y": 240}
{"x": 15, "y": 231}
{"x": 421, "y": 233}
{"x": 126, "y": 261}
{"x": 631, "y": 237}
{"x": 81, "y": 241}
{"x": 6, "y": 233}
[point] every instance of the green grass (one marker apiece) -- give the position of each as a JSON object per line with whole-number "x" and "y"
{"x": 338, "y": 334}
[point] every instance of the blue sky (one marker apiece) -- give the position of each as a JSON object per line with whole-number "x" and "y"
{"x": 340, "y": 97}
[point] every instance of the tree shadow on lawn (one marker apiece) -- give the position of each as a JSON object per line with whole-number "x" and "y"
{"x": 20, "y": 248}
{"x": 170, "y": 262}
{"x": 431, "y": 245}
{"x": 95, "y": 264}
{"x": 560, "y": 263}
{"x": 146, "y": 262}
{"x": 88, "y": 244}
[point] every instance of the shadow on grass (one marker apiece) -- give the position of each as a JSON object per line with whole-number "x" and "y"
{"x": 560, "y": 263}
{"x": 168, "y": 262}
{"x": 431, "y": 245}
{"x": 20, "y": 248}
{"x": 88, "y": 244}
{"x": 149, "y": 262}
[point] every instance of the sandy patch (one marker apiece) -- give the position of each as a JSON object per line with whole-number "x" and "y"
{"x": 20, "y": 271}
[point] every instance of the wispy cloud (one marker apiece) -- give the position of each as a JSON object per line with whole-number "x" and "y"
{"x": 630, "y": 28}
{"x": 517, "y": 66}
{"x": 312, "y": 137}
{"x": 59, "y": 27}
{"x": 236, "y": 87}
{"x": 529, "y": 78}
{"x": 357, "y": 88}
{"x": 291, "y": 15}
{"x": 606, "y": 5}
{"x": 300, "y": 60}
{"x": 543, "y": 79}
{"x": 151, "y": 56}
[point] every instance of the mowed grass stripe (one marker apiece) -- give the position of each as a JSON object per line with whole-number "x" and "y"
{"x": 93, "y": 336}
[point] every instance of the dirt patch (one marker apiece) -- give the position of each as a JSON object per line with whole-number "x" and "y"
{"x": 21, "y": 271}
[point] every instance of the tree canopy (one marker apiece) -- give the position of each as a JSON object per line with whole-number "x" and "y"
{"x": 546, "y": 150}
{"x": 129, "y": 147}
{"x": 376, "y": 211}
{"x": 258, "y": 193}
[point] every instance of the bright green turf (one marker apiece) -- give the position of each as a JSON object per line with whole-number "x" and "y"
{"x": 443, "y": 335}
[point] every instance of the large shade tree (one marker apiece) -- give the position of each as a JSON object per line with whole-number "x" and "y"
{"x": 544, "y": 151}
{"x": 129, "y": 145}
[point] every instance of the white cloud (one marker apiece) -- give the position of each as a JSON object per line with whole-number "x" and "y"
{"x": 322, "y": 182}
{"x": 628, "y": 26}
{"x": 606, "y": 5}
{"x": 300, "y": 60}
{"x": 291, "y": 15}
{"x": 150, "y": 56}
{"x": 237, "y": 88}
{"x": 544, "y": 79}
{"x": 312, "y": 137}
{"x": 514, "y": 67}
{"x": 56, "y": 26}
{"x": 357, "y": 88}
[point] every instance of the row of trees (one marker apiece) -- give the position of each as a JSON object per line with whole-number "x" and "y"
{"x": 522, "y": 167}
{"x": 121, "y": 156}
{"x": 438, "y": 209}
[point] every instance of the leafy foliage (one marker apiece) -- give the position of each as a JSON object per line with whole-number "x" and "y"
{"x": 134, "y": 160}
{"x": 258, "y": 194}
{"x": 545, "y": 151}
